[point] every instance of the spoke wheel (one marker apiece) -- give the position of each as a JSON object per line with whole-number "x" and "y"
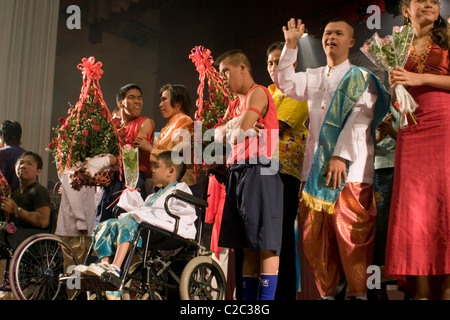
{"x": 202, "y": 279}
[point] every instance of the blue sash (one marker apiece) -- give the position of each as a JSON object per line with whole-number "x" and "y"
{"x": 315, "y": 194}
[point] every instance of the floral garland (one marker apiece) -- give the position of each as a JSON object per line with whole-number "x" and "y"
{"x": 89, "y": 130}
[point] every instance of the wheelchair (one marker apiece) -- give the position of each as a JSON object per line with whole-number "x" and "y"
{"x": 33, "y": 269}
{"x": 166, "y": 266}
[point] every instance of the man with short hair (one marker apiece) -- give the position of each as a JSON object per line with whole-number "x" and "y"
{"x": 139, "y": 132}
{"x": 252, "y": 215}
{"x": 292, "y": 115}
{"x": 337, "y": 209}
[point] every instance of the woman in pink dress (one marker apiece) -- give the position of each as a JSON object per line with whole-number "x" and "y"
{"x": 418, "y": 246}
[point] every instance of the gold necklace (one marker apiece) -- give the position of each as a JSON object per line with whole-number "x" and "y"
{"x": 420, "y": 60}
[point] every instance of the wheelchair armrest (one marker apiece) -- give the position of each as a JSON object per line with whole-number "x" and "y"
{"x": 186, "y": 197}
{"x": 189, "y": 198}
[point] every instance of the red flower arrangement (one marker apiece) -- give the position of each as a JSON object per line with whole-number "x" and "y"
{"x": 210, "y": 111}
{"x": 5, "y": 191}
{"x": 89, "y": 128}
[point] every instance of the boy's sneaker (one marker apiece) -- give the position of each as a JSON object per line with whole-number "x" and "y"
{"x": 97, "y": 269}
{"x": 113, "y": 269}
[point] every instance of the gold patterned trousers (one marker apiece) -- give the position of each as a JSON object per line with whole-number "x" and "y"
{"x": 340, "y": 245}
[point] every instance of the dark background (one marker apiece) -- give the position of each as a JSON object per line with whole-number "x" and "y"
{"x": 148, "y": 42}
{"x": 219, "y": 25}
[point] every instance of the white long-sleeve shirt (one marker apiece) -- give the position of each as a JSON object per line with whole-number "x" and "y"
{"x": 317, "y": 86}
{"x": 156, "y": 214}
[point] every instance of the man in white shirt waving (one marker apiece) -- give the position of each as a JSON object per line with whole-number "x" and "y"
{"x": 337, "y": 208}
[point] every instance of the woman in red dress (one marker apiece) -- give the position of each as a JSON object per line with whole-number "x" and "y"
{"x": 418, "y": 244}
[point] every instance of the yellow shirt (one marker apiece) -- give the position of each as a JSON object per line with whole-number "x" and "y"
{"x": 293, "y": 139}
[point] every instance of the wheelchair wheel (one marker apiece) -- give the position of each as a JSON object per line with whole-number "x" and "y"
{"x": 133, "y": 290}
{"x": 202, "y": 279}
{"x": 36, "y": 266}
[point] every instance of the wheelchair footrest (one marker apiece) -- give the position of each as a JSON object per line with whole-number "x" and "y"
{"x": 106, "y": 282}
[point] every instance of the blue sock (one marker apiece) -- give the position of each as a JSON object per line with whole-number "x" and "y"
{"x": 250, "y": 286}
{"x": 268, "y": 286}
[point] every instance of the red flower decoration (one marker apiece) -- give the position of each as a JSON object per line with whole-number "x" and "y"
{"x": 211, "y": 111}
{"x": 89, "y": 118}
{"x": 91, "y": 69}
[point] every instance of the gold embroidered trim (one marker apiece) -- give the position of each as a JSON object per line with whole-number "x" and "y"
{"x": 317, "y": 204}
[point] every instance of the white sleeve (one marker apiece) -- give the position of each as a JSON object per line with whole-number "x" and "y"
{"x": 180, "y": 207}
{"x": 292, "y": 84}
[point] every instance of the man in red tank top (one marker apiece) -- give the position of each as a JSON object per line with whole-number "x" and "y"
{"x": 130, "y": 103}
{"x": 252, "y": 216}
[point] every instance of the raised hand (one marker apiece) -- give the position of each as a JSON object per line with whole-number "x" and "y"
{"x": 293, "y": 32}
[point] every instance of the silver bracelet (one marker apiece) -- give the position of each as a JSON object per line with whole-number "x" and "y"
{"x": 16, "y": 214}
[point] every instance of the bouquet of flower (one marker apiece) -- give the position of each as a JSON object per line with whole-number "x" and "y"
{"x": 389, "y": 52}
{"x": 87, "y": 131}
{"x": 130, "y": 198}
{"x": 210, "y": 111}
{"x": 130, "y": 160}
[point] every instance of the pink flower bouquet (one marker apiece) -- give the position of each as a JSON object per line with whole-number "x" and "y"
{"x": 388, "y": 53}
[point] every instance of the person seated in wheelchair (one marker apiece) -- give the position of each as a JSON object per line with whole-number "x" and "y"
{"x": 111, "y": 239}
{"x": 29, "y": 206}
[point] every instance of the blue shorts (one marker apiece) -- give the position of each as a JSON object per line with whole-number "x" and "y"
{"x": 253, "y": 211}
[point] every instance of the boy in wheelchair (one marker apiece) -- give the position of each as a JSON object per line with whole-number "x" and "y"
{"x": 112, "y": 238}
